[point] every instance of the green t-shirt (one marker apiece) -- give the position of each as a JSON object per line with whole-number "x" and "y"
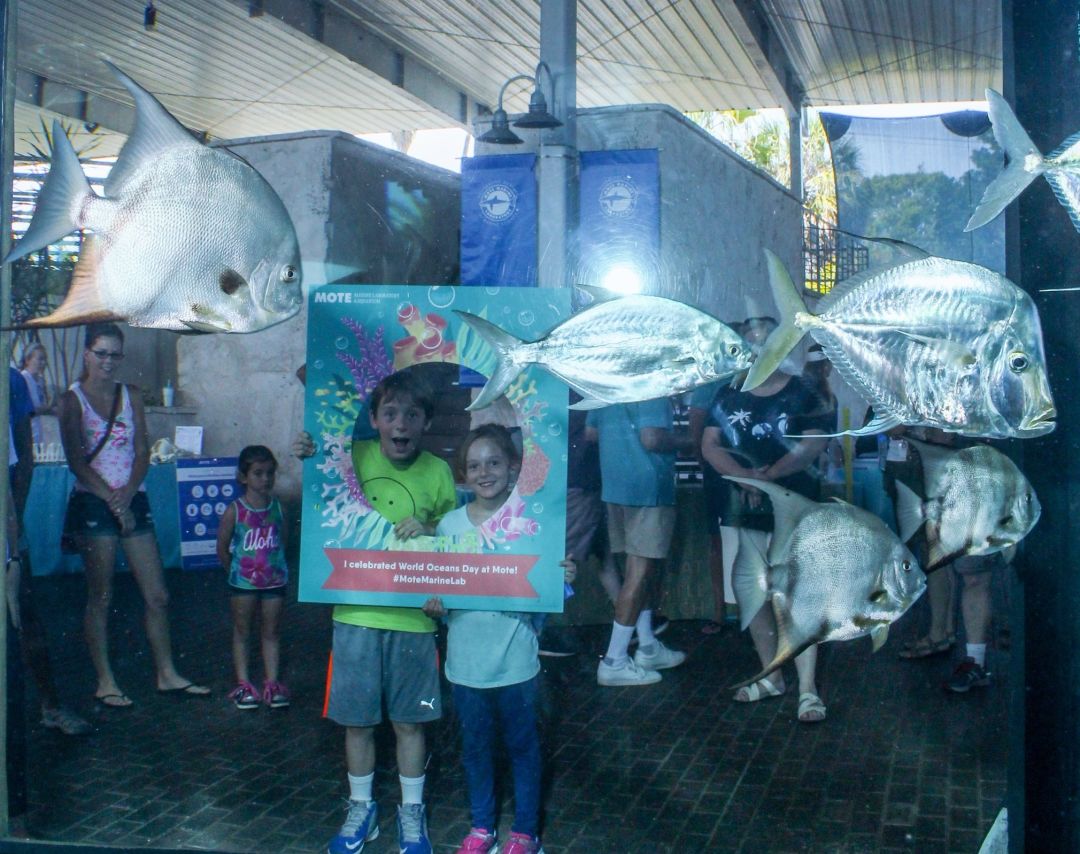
{"x": 423, "y": 488}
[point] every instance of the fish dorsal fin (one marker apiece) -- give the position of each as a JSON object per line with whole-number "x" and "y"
{"x": 879, "y": 424}
{"x": 1067, "y": 189}
{"x": 83, "y": 302}
{"x": 935, "y": 459}
{"x": 155, "y": 131}
{"x": 910, "y": 514}
{"x": 596, "y": 294}
{"x": 937, "y": 556}
{"x": 788, "y": 508}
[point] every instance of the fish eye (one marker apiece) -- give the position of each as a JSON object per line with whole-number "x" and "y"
{"x": 1018, "y": 362}
{"x": 733, "y": 350}
{"x": 905, "y": 565}
{"x": 288, "y": 273}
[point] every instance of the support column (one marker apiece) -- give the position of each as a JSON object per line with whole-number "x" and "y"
{"x": 558, "y": 161}
{"x": 795, "y": 126}
{"x": 1042, "y": 82}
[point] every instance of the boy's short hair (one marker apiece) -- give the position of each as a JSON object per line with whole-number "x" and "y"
{"x": 402, "y": 383}
{"x": 497, "y": 433}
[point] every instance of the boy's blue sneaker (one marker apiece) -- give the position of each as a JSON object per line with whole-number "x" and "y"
{"x": 412, "y": 829}
{"x": 361, "y": 825}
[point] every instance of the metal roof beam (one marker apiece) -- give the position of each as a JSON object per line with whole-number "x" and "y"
{"x": 762, "y": 44}
{"x": 340, "y": 31}
{"x": 72, "y": 102}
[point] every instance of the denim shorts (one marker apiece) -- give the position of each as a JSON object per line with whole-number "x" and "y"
{"x": 89, "y": 516}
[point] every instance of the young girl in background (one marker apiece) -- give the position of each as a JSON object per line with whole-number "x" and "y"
{"x": 492, "y": 663}
{"x": 251, "y": 545}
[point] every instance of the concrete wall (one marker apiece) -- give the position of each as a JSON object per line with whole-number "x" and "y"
{"x": 335, "y": 188}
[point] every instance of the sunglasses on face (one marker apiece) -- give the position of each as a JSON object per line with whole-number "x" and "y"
{"x": 108, "y": 354}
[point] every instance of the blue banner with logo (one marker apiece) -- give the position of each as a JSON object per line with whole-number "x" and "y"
{"x": 498, "y": 220}
{"x": 620, "y": 218}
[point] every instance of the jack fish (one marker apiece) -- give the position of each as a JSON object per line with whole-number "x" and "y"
{"x": 187, "y": 237}
{"x": 929, "y": 342}
{"x": 1061, "y": 167}
{"x": 621, "y": 350}
{"x": 833, "y": 572}
{"x": 978, "y": 502}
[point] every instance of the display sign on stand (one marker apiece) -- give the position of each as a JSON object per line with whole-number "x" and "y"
{"x": 205, "y": 486}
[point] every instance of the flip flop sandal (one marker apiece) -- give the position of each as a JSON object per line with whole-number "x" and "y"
{"x": 810, "y": 704}
{"x": 191, "y": 691}
{"x": 926, "y": 648}
{"x": 113, "y": 701}
{"x": 763, "y": 689}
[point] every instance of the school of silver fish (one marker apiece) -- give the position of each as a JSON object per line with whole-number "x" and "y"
{"x": 931, "y": 342}
{"x": 1061, "y": 168}
{"x": 832, "y": 572}
{"x": 977, "y": 503}
{"x": 187, "y": 237}
{"x": 621, "y": 350}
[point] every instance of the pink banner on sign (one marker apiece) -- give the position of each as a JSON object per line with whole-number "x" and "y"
{"x": 434, "y": 573}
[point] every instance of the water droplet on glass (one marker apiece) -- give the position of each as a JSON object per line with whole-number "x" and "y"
{"x": 441, "y": 296}
{"x": 341, "y": 342}
{"x": 555, "y": 429}
{"x": 526, "y": 318}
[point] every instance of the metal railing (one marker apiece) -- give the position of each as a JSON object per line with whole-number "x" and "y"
{"x": 829, "y": 255}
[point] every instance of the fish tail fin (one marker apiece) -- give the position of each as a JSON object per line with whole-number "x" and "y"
{"x": 748, "y": 578}
{"x": 1021, "y": 152}
{"x": 783, "y": 339}
{"x": 504, "y": 344}
{"x": 64, "y": 186}
{"x": 83, "y": 303}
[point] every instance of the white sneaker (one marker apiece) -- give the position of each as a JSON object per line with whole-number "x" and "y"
{"x": 625, "y": 672}
{"x": 659, "y": 658}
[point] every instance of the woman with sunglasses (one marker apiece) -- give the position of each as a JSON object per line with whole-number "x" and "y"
{"x": 103, "y": 428}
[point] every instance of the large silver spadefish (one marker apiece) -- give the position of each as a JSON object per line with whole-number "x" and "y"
{"x": 977, "y": 503}
{"x": 186, "y": 236}
{"x": 930, "y": 342}
{"x": 833, "y": 572}
{"x": 620, "y": 351}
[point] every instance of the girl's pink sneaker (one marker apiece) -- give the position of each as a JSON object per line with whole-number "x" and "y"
{"x": 275, "y": 695}
{"x": 522, "y": 843}
{"x": 479, "y": 841}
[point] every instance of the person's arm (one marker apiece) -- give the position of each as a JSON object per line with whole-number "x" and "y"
{"x": 303, "y": 445}
{"x": 141, "y": 463}
{"x": 798, "y": 458}
{"x": 71, "y": 437}
{"x": 660, "y": 440}
{"x": 224, "y": 535}
{"x": 696, "y": 425}
{"x": 721, "y": 461}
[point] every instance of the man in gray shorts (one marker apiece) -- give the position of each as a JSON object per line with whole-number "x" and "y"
{"x": 637, "y": 466}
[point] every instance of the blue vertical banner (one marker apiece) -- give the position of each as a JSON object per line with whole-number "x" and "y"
{"x": 620, "y": 218}
{"x": 205, "y": 486}
{"x": 498, "y": 220}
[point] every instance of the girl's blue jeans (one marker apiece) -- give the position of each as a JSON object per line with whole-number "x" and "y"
{"x": 511, "y": 709}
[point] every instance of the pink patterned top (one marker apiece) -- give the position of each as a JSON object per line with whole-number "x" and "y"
{"x": 115, "y": 460}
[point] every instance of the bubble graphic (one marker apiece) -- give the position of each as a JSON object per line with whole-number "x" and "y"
{"x": 318, "y": 364}
{"x": 441, "y": 296}
{"x": 526, "y": 318}
{"x": 341, "y": 342}
{"x": 555, "y": 429}
{"x": 506, "y": 309}
{"x": 491, "y": 291}
{"x": 537, "y": 507}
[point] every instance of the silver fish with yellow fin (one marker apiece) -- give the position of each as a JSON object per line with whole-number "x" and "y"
{"x": 832, "y": 572}
{"x": 620, "y": 350}
{"x": 929, "y": 341}
{"x": 187, "y": 237}
{"x": 1061, "y": 168}
{"x": 977, "y": 503}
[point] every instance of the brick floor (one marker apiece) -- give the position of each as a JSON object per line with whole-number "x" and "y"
{"x": 899, "y": 765}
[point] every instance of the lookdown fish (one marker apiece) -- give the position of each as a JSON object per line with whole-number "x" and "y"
{"x": 619, "y": 350}
{"x": 1061, "y": 167}
{"x": 833, "y": 572}
{"x": 978, "y": 502}
{"x": 929, "y": 341}
{"x": 187, "y": 237}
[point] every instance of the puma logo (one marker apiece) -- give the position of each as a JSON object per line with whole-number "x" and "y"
{"x": 429, "y": 703}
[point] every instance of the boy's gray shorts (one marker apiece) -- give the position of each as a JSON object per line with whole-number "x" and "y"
{"x": 369, "y": 664}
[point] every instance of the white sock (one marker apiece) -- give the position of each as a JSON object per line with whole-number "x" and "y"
{"x": 620, "y": 641}
{"x": 645, "y": 636}
{"x": 412, "y": 789}
{"x": 360, "y": 787}
{"x": 978, "y": 652}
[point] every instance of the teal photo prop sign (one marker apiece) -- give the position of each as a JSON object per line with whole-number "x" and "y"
{"x": 349, "y": 554}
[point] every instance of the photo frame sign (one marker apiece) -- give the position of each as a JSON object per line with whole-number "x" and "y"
{"x": 359, "y": 334}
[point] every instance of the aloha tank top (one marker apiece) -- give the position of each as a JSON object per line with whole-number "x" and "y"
{"x": 115, "y": 460}
{"x": 258, "y": 559}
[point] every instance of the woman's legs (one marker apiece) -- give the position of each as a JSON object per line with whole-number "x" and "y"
{"x": 270, "y": 632}
{"x": 142, "y": 556}
{"x": 243, "y": 610}
{"x": 99, "y": 556}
